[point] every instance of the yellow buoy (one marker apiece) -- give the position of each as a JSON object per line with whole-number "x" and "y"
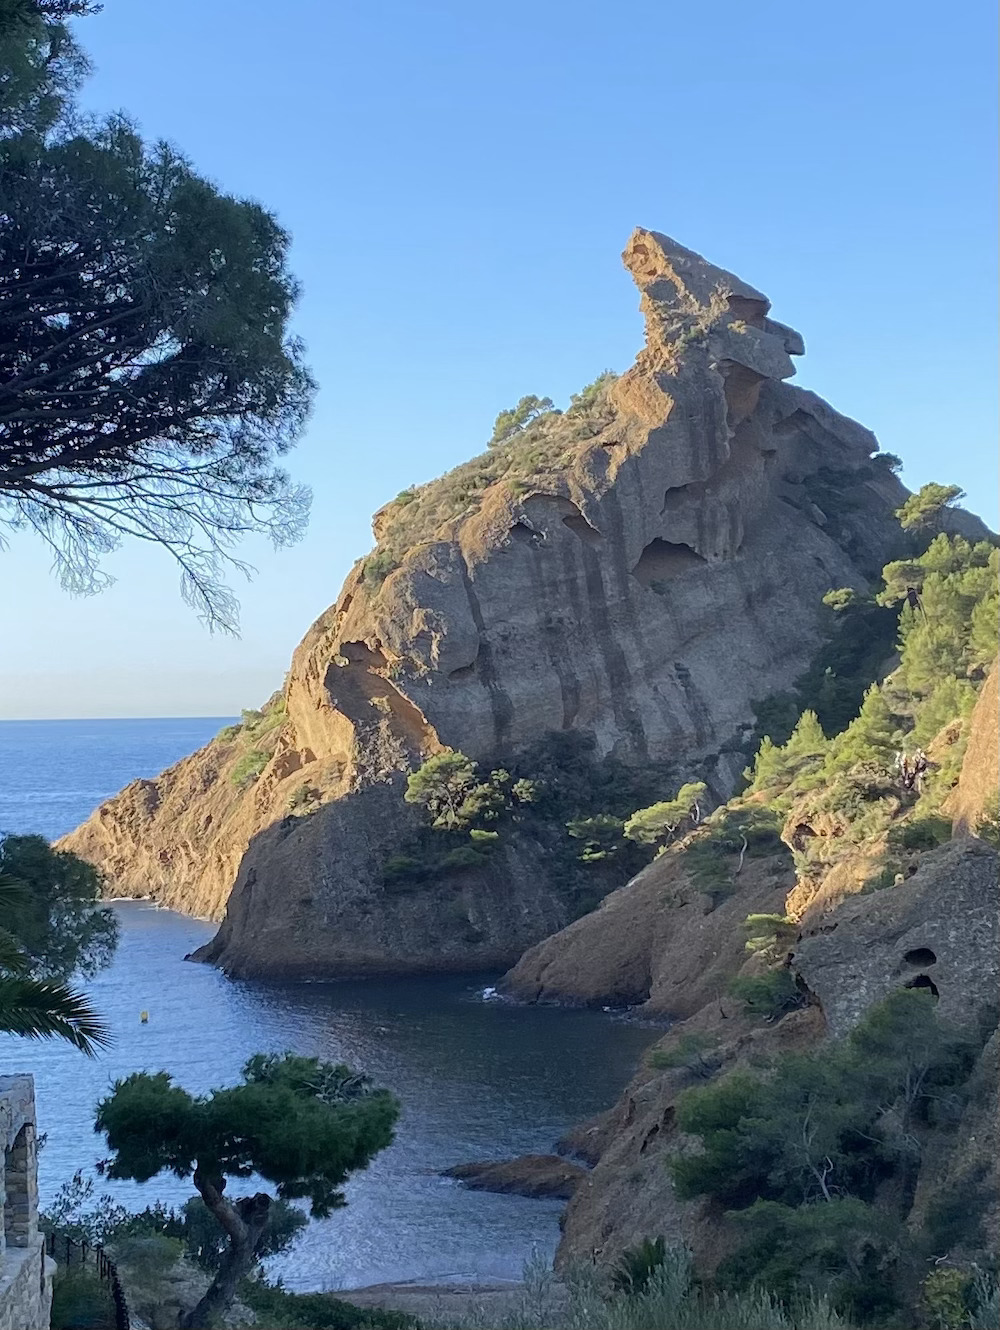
{"x": 143, "y": 1017}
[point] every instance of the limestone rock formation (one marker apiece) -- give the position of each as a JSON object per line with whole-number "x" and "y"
{"x": 656, "y": 943}
{"x": 528, "y": 1175}
{"x": 642, "y": 567}
{"x": 939, "y": 930}
{"x": 939, "y": 927}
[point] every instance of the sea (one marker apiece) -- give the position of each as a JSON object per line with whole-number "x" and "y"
{"x": 478, "y": 1077}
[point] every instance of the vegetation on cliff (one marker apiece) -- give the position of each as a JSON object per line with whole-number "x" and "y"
{"x": 819, "y": 1160}
{"x": 800, "y": 1157}
{"x": 531, "y": 442}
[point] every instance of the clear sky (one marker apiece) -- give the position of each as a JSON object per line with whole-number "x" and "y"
{"x": 459, "y": 180}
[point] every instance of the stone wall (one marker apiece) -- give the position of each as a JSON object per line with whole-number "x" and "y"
{"x": 25, "y": 1272}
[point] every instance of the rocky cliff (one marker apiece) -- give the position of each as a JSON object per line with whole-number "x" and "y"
{"x": 658, "y": 941}
{"x": 642, "y": 567}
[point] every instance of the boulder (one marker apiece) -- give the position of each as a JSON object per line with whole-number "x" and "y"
{"x": 528, "y": 1175}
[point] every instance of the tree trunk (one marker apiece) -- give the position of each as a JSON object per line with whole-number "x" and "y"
{"x": 244, "y": 1222}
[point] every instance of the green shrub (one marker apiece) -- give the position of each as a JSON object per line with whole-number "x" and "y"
{"x": 248, "y": 768}
{"x": 693, "y": 1051}
{"x": 404, "y": 868}
{"x": 80, "y": 1301}
{"x": 484, "y": 842}
{"x": 713, "y": 857}
{"x": 660, "y": 822}
{"x": 587, "y": 398}
{"x": 708, "y": 866}
{"x": 945, "y": 1294}
{"x": 533, "y": 451}
{"x": 842, "y": 1249}
{"x": 448, "y": 788}
{"x": 769, "y": 933}
{"x": 601, "y": 836}
{"x": 801, "y": 1153}
{"x": 888, "y": 462}
{"x": 278, "y": 1309}
{"x": 303, "y": 796}
{"x": 516, "y": 420}
{"x": 887, "y": 876}
{"x": 461, "y": 857}
{"x": 377, "y": 568}
{"x": 637, "y": 1265}
{"x": 769, "y": 995}
{"x": 229, "y": 732}
{"x": 925, "y": 509}
{"x": 920, "y": 833}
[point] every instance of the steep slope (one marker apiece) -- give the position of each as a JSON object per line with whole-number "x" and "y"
{"x": 777, "y": 953}
{"x": 641, "y": 568}
{"x": 949, "y": 908}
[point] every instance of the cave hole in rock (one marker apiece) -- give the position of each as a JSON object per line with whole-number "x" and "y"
{"x": 359, "y": 653}
{"x": 579, "y": 525}
{"x": 524, "y": 535}
{"x": 920, "y": 956}
{"x": 676, "y": 497}
{"x": 923, "y": 981}
{"x": 663, "y": 558}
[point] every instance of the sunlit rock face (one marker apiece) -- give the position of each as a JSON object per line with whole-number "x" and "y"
{"x": 647, "y": 587}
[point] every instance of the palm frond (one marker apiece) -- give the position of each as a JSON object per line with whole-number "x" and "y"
{"x": 12, "y": 958}
{"x": 41, "y": 1009}
{"x": 13, "y": 892}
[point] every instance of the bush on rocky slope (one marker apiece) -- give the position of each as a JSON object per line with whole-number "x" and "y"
{"x": 802, "y": 1154}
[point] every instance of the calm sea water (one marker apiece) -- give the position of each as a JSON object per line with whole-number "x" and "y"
{"x": 477, "y": 1078}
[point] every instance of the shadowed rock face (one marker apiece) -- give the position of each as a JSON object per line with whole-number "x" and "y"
{"x": 647, "y": 590}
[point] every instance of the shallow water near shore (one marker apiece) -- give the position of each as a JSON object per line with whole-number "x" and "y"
{"x": 478, "y": 1078}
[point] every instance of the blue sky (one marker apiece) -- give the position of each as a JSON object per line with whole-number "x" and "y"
{"x": 459, "y": 181}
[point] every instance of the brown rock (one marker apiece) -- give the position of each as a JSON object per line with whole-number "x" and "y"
{"x": 979, "y": 783}
{"x": 939, "y": 927}
{"x": 528, "y": 1175}
{"x": 656, "y": 941}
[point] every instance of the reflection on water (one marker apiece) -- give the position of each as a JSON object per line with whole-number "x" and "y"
{"x": 477, "y": 1079}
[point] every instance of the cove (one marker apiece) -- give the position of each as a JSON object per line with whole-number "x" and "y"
{"x": 478, "y": 1079}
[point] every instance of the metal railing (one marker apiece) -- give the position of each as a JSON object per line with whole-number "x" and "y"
{"x": 70, "y": 1254}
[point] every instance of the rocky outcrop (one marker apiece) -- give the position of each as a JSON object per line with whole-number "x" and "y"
{"x": 529, "y": 1175}
{"x": 659, "y": 942}
{"x": 979, "y": 784}
{"x": 643, "y": 568}
{"x": 938, "y": 929}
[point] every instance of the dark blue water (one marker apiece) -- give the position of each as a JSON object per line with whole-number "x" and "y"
{"x": 54, "y": 773}
{"x": 477, "y": 1079}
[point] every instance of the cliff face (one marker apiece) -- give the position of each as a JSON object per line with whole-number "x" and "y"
{"x": 642, "y": 567}
{"x": 659, "y": 941}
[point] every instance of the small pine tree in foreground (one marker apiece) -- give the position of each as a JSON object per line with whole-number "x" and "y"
{"x": 301, "y": 1124}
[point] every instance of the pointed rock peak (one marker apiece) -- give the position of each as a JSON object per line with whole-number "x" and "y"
{"x": 667, "y": 272}
{"x": 686, "y": 299}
